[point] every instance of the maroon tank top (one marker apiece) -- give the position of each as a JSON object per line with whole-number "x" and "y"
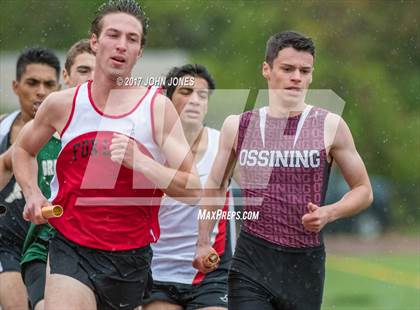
{"x": 283, "y": 166}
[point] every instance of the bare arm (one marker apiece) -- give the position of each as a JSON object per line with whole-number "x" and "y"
{"x": 360, "y": 196}
{"x": 6, "y": 169}
{"x": 6, "y": 165}
{"x": 216, "y": 187}
{"x": 179, "y": 179}
{"x": 31, "y": 139}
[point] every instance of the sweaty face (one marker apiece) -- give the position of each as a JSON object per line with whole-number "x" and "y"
{"x": 36, "y": 83}
{"x": 191, "y": 101}
{"x": 118, "y": 45}
{"x": 81, "y": 70}
{"x": 290, "y": 74}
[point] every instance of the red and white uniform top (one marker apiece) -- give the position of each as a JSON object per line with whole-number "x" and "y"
{"x": 106, "y": 205}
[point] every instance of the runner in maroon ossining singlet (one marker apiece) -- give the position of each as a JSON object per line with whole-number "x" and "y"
{"x": 284, "y": 173}
{"x": 284, "y": 153}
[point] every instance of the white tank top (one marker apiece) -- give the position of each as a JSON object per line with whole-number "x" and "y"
{"x": 174, "y": 252}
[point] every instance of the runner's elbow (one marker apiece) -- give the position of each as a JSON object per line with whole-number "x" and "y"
{"x": 195, "y": 195}
{"x": 368, "y": 197}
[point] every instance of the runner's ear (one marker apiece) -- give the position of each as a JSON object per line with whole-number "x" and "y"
{"x": 266, "y": 70}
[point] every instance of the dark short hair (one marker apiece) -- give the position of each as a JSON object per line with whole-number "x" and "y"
{"x": 285, "y": 39}
{"x": 80, "y": 47}
{"x": 130, "y": 7}
{"x": 194, "y": 70}
{"x": 37, "y": 55}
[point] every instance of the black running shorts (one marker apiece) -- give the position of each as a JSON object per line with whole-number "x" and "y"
{"x": 265, "y": 276}
{"x": 118, "y": 279}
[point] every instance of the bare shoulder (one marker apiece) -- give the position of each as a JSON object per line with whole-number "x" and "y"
{"x": 231, "y": 125}
{"x": 164, "y": 110}
{"x": 336, "y": 131}
{"x": 161, "y": 102}
{"x": 165, "y": 118}
{"x": 56, "y": 104}
{"x": 229, "y": 132}
{"x": 332, "y": 119}
{"x": 55, "y": 110}
{"x": 61, "y": 98}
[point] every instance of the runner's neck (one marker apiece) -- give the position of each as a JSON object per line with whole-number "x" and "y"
{"x": 279, "y": 111}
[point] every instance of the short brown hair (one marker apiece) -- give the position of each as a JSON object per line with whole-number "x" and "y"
{"x": 80, "y": 47}
{"x": 129, "y": 7}
{"x": 285, "y": 39}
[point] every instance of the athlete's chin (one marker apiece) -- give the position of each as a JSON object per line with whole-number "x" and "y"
{"x": 192, "y": 122}
{"x": 115, "y": 74}
{"x": 292, "y": 101}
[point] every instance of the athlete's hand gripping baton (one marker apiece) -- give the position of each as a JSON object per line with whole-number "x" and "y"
{"x": 211, "y": 260}
{"x": 52, "y": 211}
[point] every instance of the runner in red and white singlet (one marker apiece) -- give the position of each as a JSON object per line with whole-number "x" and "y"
{"x": 123, "y": 146}
{"x": 90, "y": 186}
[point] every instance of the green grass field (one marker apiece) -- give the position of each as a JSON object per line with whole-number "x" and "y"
{"x": 372, "y": 282}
